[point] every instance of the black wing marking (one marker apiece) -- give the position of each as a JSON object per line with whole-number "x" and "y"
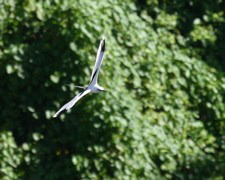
{"x": 98, "y": 62}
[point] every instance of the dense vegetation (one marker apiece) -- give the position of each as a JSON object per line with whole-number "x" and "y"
{"x": 164, "y": 114}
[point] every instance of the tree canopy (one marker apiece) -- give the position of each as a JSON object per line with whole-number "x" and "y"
{"x": 163, "y": 116}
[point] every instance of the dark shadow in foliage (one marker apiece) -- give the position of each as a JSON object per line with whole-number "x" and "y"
{"x": 62, "y": 140}
{"x": 187, "y": 12}
{"x": 201, "y": 168}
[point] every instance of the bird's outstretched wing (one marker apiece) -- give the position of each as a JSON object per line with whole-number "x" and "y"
{"x": 71, "y": 103}
{"x": 98, "y": 62}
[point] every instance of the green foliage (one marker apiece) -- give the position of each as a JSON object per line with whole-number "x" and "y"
{"x": 163, "y": 117}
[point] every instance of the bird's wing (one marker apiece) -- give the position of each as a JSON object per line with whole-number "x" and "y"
{"x": 71, "y": 103}
{"x": 98, "y": 62}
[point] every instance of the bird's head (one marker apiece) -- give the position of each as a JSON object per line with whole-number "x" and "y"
{"x": 101, "y": 89}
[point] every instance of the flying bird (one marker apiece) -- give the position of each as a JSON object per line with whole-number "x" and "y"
{"x": 93, "y": 85}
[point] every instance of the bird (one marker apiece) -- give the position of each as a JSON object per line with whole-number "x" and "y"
{"x": 93, "y": 85}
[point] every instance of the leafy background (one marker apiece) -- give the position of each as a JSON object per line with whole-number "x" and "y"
{"x": 164, "y": 114}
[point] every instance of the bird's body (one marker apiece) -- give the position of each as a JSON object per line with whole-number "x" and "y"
{"x": 93, "y": 85}
{"x": 95, "y": 88}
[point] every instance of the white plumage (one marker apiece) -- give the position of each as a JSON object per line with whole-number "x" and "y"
{"x": 93, "y": 85}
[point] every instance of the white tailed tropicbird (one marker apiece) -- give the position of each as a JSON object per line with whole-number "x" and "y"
{"x": 93, "y": 85}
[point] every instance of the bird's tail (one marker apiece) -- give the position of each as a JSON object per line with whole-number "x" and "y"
{"x": 81, "y": 87}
